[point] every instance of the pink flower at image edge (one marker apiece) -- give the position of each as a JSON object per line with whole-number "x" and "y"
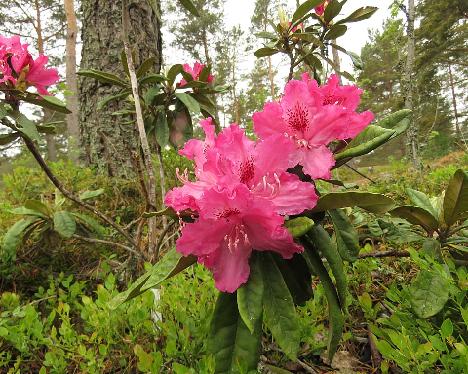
{"x": 195, "y": 72}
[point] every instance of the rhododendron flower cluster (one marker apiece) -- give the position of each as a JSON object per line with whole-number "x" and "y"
{"x": 19, "y": 70}
{"x": 195, "y": 72}
{"x": 243, "y": 188}
{"x": 320, "y": 10}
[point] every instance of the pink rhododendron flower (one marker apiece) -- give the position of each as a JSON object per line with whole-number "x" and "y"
{"x": 311, "y": 117}
{"x": 195, "y": 72}
{"x": 18, "y": 67}
{"x": 232, "y": 224}
{"x": 320, "y": 9}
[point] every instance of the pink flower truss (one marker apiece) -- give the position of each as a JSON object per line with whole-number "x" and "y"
{"x": 320, "y": 10}
{"x": 195, "y": 72}
{"x": 19, "y": 68}
{"x": 232, "y": 223}
{"x": 311, "y": 117}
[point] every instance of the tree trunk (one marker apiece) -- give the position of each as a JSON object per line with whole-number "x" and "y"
{"x": 336, "y": 60}
{"x": 454, "y": 102}
{"x": 50, "y": 139}
{"x": 73, "y": 128}
{"x": 106, "y": 142}
{"x": 412, "y": 135}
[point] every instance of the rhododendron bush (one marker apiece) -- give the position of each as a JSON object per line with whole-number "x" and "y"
{"x": 250, "y": 211}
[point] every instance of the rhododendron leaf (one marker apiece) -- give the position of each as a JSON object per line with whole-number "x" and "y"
{"x": 8, "y": 138}
{"x": 421, "y": 200}
{"x": 235, "y": 348}
{"x": 4, "y": 109}
{"x": 27, "y": 127}
{"x": 392, "y": 120}
{"x": 429, "y": 292}
{"x": 280, "y": 313}
{"x": 266, "y": 35}
{"x": 165, "y": 212}
{"x": 360, "y": 14}
{"x": 49, "y": 128}
{"x": 277, "y": 370}
{"x": 373, "y": 202}
{"x": 297, "y": 276}
{"x": 305, "y": 8}
{"x": 22, "y": 210}
{"x": 321, "y": 241}
{"x": 162, "y": 129}
{"x": 416, "y": 216}
{"x": 299, "y": 226}
{"x": 64, "y": 224}
{"x": 332, "y": 10}
{"x": 153, "y": 78}
{"x": 146, "y": 66}
{"x": 347, "y": 238}
{"x": 103, "y": 77}
{"x": 173, "y": 72}
{"x": 190, "y": 6}
{"x": 456, "y": 198}
{"x": 334, "y": 311}
{"x": 309, "y": 37}
{"x": 122, "y": 95}
{"x": 171, "y": 264}
{"x": 48, "y": 102}
{"x": 13, "y": 237}
{"x": 264, "y": 52}
{"x": 205, "y": 73}
{"x": 368, "y": 140}
{"x": 190, "y": 103}
{"x": 250, "y": 295}
{"x": 91, "y": 194}
{"x": 124, "y": 62}
{"x": 38, "y": 206}
{"x": 336, "y": 31}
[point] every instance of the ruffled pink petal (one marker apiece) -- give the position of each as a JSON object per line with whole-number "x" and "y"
{"x": 272, "y": 155}
{"x": 356, "y": 123}
{"x": 40, "y": 76}
{"x": 185, "y": 197}
{"x": 317, "y": 162}
{"x": 227, "y": 203}
{"x": 269, "y": 121}
{"x": 329, "y": 124}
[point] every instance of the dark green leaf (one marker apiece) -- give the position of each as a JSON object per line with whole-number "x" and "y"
{"x": 190, "y": 6}
{"x": 14, "y": 236}
{"x": 48, "y": 102}
{"x": 173, "y": 72}
{"x": 266, "y": 35}
{"x": 90, "y": 223}
{"x": 416, "y": 216}
{"x": 334, "y": 311}
{"x": 347, "y": 238}
{"x": 27, "y": 127}
{"x": 146, "y": 66}
{"x": 162, "y": 128}
{"x": 38, "y": 206}
{"x": 153, "y": 78}
{"x": 429, "y": 292}
{"x": 321, "y": 241}
{"x": 373, "y": 202}
{"x": 104, "y": 102}
{"x": 124, "y": 62}
{"x": 392, "y": 120}
{"x": 456, "y": 198}
{"x": 305, "y": 8}
{"x": 103, "y": 77}
{"x": 64, "y": 224}
{"x": 250, "y": 296}
{"x": 49, "y": 128}
{"x": 360, "y": 14}
{"x": 235, "y": 348}
{"x": 28, "y": 212}
{"x": 190, "y": 103}
{"x": 332, "y": 10}
{"x": 336, "y": 31}
{"x": 8, "y": 138}
{"x": 280, "y": 313}
{"x": 421, "y": 200}
{"x": 264, "y": 52}
{"x": 171, "y": 264}
{"x": 299, "y": 226}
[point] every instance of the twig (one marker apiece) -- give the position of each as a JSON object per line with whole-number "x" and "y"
{"x": 69, "y": 195}
{"x": 106, "y": 242}
{"x": 161, "y": 238}
{"x": 307, "y": 368}
{"x": 392, "y": 253}
{"x": 361, "y": 174}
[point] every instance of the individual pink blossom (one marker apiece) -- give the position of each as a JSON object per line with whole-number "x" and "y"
{"x": 311, "y": 117}
{"x": 320, "y": 9}
{"x": 40, "y": 76}
{"x": 232, "y": 224}
{"x": 195, "y": 72}
{"x": 231, "y": 158}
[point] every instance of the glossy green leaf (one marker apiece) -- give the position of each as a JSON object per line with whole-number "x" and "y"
{"x": 392, "y": 120}
{"x": 456, "y": 198}
{"x": 332, "y": 10}
{"x": 336, "y": 31}
{"x": 161, "y": 128}
{"x": 173, "y": 72}
{"x": 235, "y": 348}
{"x": 64, "y": 224}
{"x": 416, "y": 216}
{"x": 14, "y": 236}
{"x": 8, "y": 138}
{"x": 38, "y": 206}
{"x": 190, "y": 103}
{"x": 429, "y": 292}
{"x": 108, "y": 99}
{"x": 305, "y": 8}
{"x": 299, "y": 226}
{"x": 264, "y": 52}
{"x": 250, "y": 296}
{"x": 23, "y": 211}
{"x": 280, "y": 313}
{"x": 103, "y": 77}
{"x": 297, "y": 276}
{"x": 373, "y": 202}
{"x": 91, "y": 194}
{"x": 171, "y": 264}
{"x": 321, "y": 241}
{"x": 190, "y": 6}
{"x": 153, "y": 78}
{"x": 146, "y": 66}
{"x": 334, "y": 311}
{"x": 421, "y": 200}
{"x": 27, "y": 127}
{"x": 347, "y": 238}
{"x": 360, "y": 14}
{"x": 48, "y": 102}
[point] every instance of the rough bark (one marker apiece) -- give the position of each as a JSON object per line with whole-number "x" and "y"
{"x": 412, "y": 134}
{"x": 107, "y": 143}
{"x": 73, "y": 128}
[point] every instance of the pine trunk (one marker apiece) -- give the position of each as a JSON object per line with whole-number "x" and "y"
{"x": 73, "y": 128}
{"x": 107, "y": 143}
